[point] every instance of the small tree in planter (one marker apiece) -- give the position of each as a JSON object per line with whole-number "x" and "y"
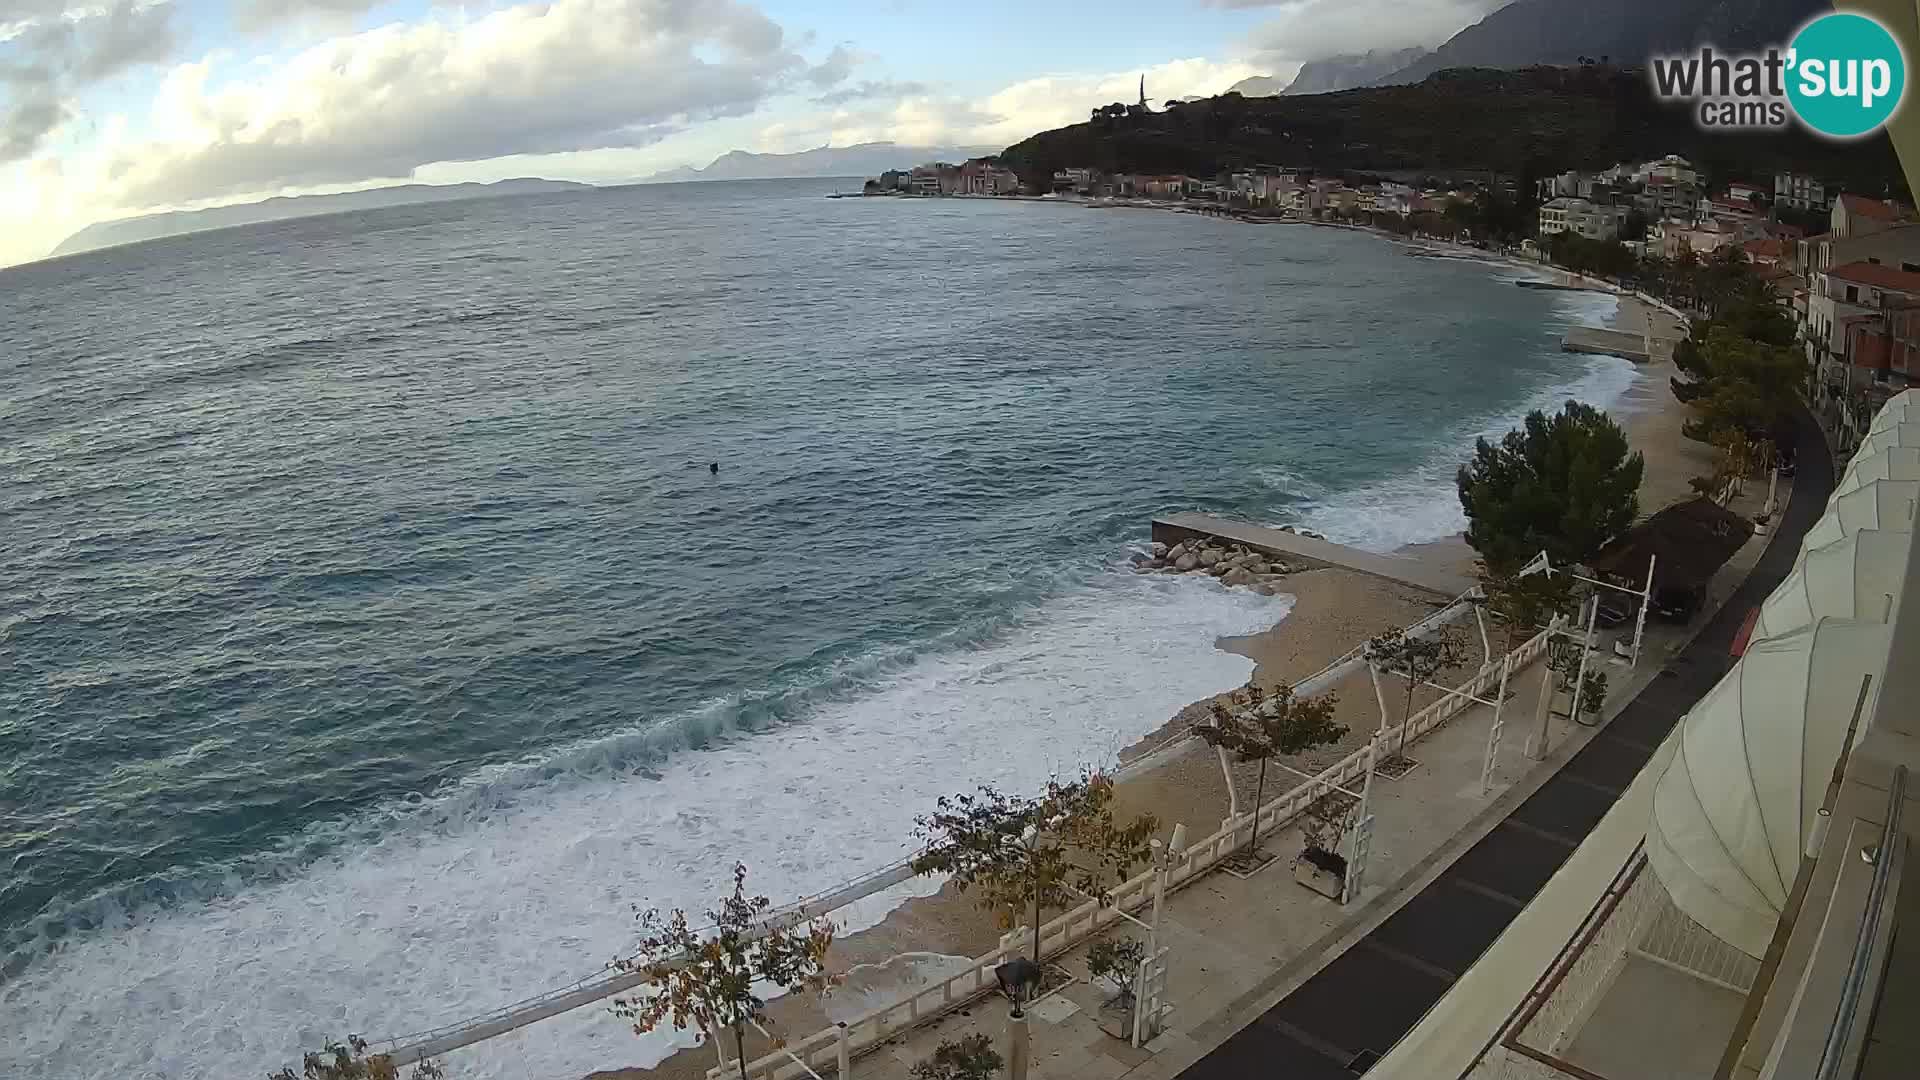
{"x": 1019, "y": 854}
{"x": 350, "y": 1061}
{"x": 1418, "y": 660}
{"x": 1323, "y": 825}
{"x": 1525, "y": 604}
{"x": 1261, "y": 726}
{"x": 706, "y": 980}
{"x": 970, "y": 1057}
{"x": 1115, "y": 961}
{"x": 1593, "y": 694}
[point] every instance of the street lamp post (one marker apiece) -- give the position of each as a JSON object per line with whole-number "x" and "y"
{"x": 1014, "y": 977}
{"x": 1586, "y": 651}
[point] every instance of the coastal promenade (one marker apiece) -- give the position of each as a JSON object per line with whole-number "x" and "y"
{"x": 1639, "y": 348}
{"x": 1269, "y": 979}
{"x": 1351, "y": 1011}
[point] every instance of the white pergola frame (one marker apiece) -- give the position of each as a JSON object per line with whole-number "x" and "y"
{"x": 1361, "y": 831}
{"x": 1540, "y": 565}
{"x": 1497, "y": 703}
{"x": 1146, "y": 1003}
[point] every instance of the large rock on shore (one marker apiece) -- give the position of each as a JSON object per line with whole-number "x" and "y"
{"x": 1209, "y": 556}
{"x": 1157, "y": 550}
{"x": 1187, "y": 561}
{"x": 1239, "y": 575}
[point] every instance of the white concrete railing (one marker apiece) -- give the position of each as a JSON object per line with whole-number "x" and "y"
{"x": 822, "y": 1050}
{"x": 1351, "y": 660}
{"x": 419, "y": 1046}
{"x": 434, "y": 1042}
{"x": 1686, "y": 320}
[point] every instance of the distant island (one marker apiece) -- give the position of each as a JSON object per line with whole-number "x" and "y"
{"x": 104, "y": 234}
{"x": 861, "y": 159}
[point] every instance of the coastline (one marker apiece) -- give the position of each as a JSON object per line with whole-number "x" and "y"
{"x": 1332, "y": 610}
{"x": 1650, "y": 416}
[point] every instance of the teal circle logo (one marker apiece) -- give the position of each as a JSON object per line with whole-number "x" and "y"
{"x": 1846, "y": 75}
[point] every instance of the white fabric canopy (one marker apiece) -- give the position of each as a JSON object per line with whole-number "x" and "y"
{"x": 1906, "y": 433}
{"x": 1851, "y": 578}
{"x": 1899, "y": 408}
{"x": 1892, "y": 463}
{"x": 1742, "y": 777}
{"x": 1878, "y": 504}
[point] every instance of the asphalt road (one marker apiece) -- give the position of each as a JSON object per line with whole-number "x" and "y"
{"x": 1353, "y": 1011}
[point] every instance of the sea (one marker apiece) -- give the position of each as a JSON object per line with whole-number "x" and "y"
{"x": 377, "y": 632}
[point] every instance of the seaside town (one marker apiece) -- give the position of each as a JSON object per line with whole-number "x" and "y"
{"x": 1846, "y": 265}
{"x": 1395, "y": 607}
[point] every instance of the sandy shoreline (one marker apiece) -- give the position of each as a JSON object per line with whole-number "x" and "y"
{"x": 1333, "y": 610}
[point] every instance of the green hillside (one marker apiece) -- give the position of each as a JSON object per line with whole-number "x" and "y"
{"x": 1530, "y": 122}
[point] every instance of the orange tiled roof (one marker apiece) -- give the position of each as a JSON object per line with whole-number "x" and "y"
{"x": 1865, "y": 207}
{"x": 1879, "y": 275}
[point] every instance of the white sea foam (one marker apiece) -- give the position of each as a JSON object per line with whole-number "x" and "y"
{"x": 1424, "y": 505}
{"x": 534, "y": 888}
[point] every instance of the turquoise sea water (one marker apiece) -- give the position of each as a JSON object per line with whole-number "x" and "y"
{"x": 373, "y": 633}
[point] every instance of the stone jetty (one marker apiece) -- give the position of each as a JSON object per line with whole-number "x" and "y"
{"x": 1234, "y": 564}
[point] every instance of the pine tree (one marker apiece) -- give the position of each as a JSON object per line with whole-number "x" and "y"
{"x": 1566, "y": 484}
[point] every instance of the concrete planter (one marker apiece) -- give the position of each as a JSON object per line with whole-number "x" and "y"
{"x": 1322, "y": 871}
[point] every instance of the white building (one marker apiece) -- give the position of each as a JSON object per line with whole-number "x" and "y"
{"x": 1673, "y": 169}
{"x": 1857, "y": 215}
{"x": 1823, "y": 319}
{"x": 1582, "y": 217}
{"x": 1800, "y": 191}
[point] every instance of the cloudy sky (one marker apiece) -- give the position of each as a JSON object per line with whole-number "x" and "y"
{"x": 115, "y": 107}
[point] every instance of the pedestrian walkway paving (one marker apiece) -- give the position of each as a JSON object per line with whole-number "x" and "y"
{"x": 1270, "y": 979}
{"x": 1229, "y": 936}
{"x": 1352, "y": 1011}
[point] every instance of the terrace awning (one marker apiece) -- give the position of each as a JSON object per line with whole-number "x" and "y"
{"x": 1899, "y": 409}
{"x": 1906, "y": 433}
{"x": 1892, "y": 463}
{"x": 1856, "y": 577}
{"x": 1879, "y": 504}
{"x": 1743, "y": 776}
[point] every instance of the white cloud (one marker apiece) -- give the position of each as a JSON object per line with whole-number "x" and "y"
{"x": 264, "y": 16}
{"x": 48, "y": 52}
{"x": 1005, "y": 116}
{"x": 602, "y": 90}
{"x": 836, "y": 67}
{"x": 531, "y": 79}
{"x": 1316, "y": 29}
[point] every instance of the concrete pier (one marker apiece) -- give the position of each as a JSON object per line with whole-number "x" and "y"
{"x": 1638, "y": 348}
{"x": 1562, "y": 286}
{"x": 1305, "y": 549}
